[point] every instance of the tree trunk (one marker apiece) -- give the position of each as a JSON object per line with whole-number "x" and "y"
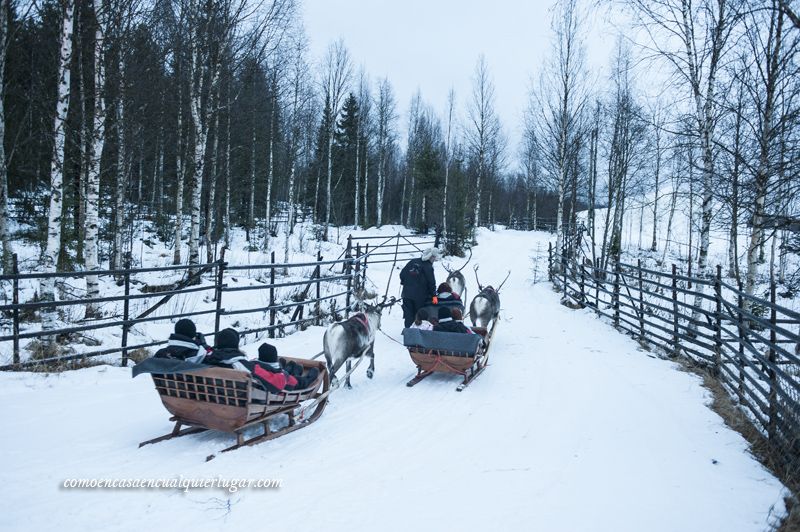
{"x": 212, "y": 192}
{"x": 366, "y": 184}
{"x": 270, "y": 171}
{"x": 654, "y": 243}
{"x": 119, "y": 195}
{"x": 226, "y": 212}
{"x": 98, "y": 138}
{"x": 179, "y": 178}
{"x": 251, "y": 206}
{"x": 5, "y": 237}
{"x": 52, "y": 250}
{"x": 381, "y": 184}
{"x": 478, "y": 185}
{"x": 328, "y": 180}
{"x": 198, "y": 75}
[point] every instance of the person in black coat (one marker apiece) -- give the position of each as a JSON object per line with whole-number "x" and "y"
{"x": 448, "y": 324}
{"x": 419, "y": 284}
{"x": 185, "y": 343}
{"x": 226, "y": 352}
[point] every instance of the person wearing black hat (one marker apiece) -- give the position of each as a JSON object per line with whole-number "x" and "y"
{"x": 447, "y": 324}
{"x": 185, "y": 343}
{"x": 278, "y": 375}
{"x": 226, "y": 351}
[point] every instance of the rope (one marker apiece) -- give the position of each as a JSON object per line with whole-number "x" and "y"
{"x": 301, "y": 414}
{"x": 392, "y": 339}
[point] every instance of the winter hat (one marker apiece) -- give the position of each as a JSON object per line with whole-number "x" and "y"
{"x": 185, "y": 327}
{"x": 443, "y": 288}
{"x": 444, "y": 314}
{"x": 431, "y": 254}
{"x": 227, "y": 338}
{"x": 267, "y": 353}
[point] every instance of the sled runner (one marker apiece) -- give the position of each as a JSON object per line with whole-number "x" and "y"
{"x": 203, "y": 398}
{"x": 445, "y": 352}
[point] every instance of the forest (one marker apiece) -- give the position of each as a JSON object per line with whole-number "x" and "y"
{"x": 200, "y": 116}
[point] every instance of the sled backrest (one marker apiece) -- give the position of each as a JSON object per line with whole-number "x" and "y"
{"x": 461, "y": 343}
{"x": 216, "y": 398}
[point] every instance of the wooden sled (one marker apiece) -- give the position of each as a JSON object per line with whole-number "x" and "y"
{"x": 468, "y": 364}
{"x": 233, "y": 401}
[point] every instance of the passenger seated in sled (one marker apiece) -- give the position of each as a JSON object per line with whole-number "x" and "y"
{"x": 266, "y": 369}
{"x": 446, "y": 323}
{"x": 421, "y": 321}
{"x": 274, "y": 370}
{"x": 445, "y": 294}
{"x": 185, "y": 343}
{"x": 458, "y": 317}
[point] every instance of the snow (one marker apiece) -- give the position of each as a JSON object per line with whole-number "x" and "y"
{"x": 571, "y": 427}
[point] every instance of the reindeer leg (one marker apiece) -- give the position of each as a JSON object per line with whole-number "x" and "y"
{"x": 332, "y": 372}
{"x": 347, "y": 380}
{"x": 371, "y": 368}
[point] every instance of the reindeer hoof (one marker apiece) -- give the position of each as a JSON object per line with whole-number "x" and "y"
{"x": 348, "y": 386}
{"x": 334, "y": 382}
{"x": 370, "y": 373}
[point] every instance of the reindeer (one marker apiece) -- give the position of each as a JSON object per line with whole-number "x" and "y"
{"x": 485, "y": 306}
{"x": 353, "y": 338}
{"x": 456, "y": 279}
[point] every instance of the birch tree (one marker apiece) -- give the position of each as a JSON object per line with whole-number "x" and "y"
{"x": 298, "y": 79}
{"x": 336, "y": 79}
{"x": 386, "y": 117}
{"x": 771, "y": 77}
{"x": 693, "y": 38}
{"x": 55, "y": 211}
{"x": 560, "y": 100}
{"x": 5, "y": 238}
{"x": 484, "y": 127}
{"x": 365, "y": 137}
{"x": 451, "y": 103}
{"x": 95, "y": 151}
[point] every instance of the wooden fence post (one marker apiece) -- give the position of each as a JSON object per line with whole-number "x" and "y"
{"x": 564, "y": 271}
{"x": 272, "y": 313}
{"x": 357, "y": 273}
{"x": 642, "y": 337}
{"x": 15, "y": 301}
{"x": 348, "y": 252}
{"x": 550, "y": 261}
{"x": 364, "y": 267}
{"x": 126, "y": 313}
{"x": 773, "y": 381}
{"x": 582, "y": 283}
{"x": 615, "y": 296}
{"x": 675, "y": 339}
{"x": 742, "y": 332}
{"x": 718, "y": 321}
{"x": 317, "y": 306}
{"x": 348, "y": 268}
{"x": 220, "y": 281}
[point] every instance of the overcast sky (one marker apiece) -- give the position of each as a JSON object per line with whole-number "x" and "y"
{"x": 433, "y": 45}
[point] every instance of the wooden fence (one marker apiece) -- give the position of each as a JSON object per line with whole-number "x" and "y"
{"x": 750, "y": 344}
{"x": 336, "y": 282}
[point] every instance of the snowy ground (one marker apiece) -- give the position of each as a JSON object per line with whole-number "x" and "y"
{"x": 572, "y": 427}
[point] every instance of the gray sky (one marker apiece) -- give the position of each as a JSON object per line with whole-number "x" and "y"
{"x": 434, "y": 45}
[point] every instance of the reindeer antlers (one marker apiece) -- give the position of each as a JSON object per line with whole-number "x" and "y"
{"x": 475, "y": 269}
{"x": 465, "y": 264}
{"x": 504, "y": 282}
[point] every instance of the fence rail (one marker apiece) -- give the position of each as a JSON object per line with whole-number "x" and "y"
{"x": 750, "y": 344}
{"x": 213, "y": 279}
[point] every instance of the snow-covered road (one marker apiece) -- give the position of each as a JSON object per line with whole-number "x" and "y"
{"x": 572, "y": 427}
